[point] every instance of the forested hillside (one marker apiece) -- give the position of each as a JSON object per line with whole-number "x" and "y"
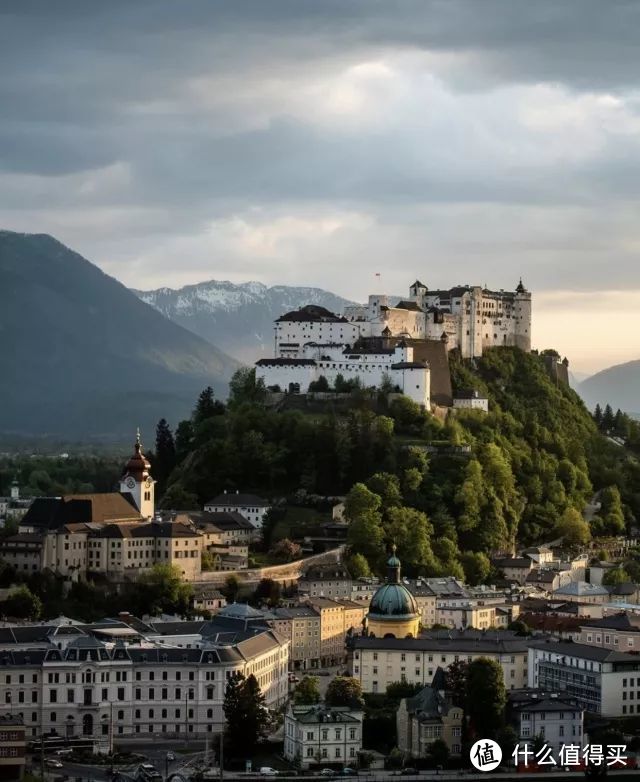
{"x": 447, "y": 492}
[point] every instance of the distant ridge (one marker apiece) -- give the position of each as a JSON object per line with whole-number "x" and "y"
{"x": 80, "y": 354}
{"x": 618, "y": 386}
{"x": 238, "y": 317}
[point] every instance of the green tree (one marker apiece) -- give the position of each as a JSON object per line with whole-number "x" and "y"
{"x": 183, "y": 439}
{"x": 439, "y": 752}
{"x": 165, "y": 454}
{"x": 344, "y": 691}
{"x": 358, "y": 566}
{"x": 360, "y": 500}
{"x": 615, "y": 576}
{"x": 476, "y": 566}
{"x": 246, "y": 717}
{"x": 573, "y": 528}
{"x": 285, "y": 550}
{"x": 307, "y": 690}
{"x": 206, "y": 407}
{"x": 207, "y": 561}
{"x": 245, "y": 389}
{"x": 231, "y": 588}
{"x": 161, "y": 590}
{"x": 611, "y": 511}
{"x": 22, "y": 604}
{"x": 396, "y": 691}
{"x": 597, "y": 416}
{"x": 519, "y": 627}
{"x": 608, "y": 420}
{"x": 268, "y": 591}
{"x": 320, "y": 385}
{"x": 456, "y": 676}
{"x": 387, "y": 487}
{"x": 485, "y": 696}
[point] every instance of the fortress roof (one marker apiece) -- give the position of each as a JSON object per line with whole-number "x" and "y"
{"x": 312, "y": 312}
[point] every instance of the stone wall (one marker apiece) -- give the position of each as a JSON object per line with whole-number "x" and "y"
{"x": 286, "y": 574}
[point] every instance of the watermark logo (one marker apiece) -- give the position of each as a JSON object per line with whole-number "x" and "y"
{"x": 570, "y": 755}
{"x": 486, "y": 755}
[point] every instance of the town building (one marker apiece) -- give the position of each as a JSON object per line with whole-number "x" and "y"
{"x": 619, "y": 632}
{"x": 249, "y": 506}
{"x": 118, "y": 535}
{"x": 427, "y": 717}
{"x": 370, "y": 366}
{"x": 602, "y": 681}
{"x": 582, "y": 592}
{"x": 12, "y": 747}
{"x": 330, "y": 580}
{"x": 378, "y": 662}
{"x": 301, "y": 625}
{"x": 318, "y": 735}
{"x": 318, "y": 630}
{"x": 470, "y": 399}
{"x": 208, "y": 599}
{"x": 129, "y": 678}
{"x": 547, "y": 716}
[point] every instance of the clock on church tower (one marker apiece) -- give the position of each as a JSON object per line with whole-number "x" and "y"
{"x": 137, "y": 481}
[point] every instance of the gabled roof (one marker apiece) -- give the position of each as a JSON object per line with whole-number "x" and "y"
{"x": 583, "y": 651}
{"x": 619, "y": 621}
{"x": 49, "y": 513}
{"x": 238, "y": 499}
{"x": 581, "y": 589}
{"x": 311, "y": 313}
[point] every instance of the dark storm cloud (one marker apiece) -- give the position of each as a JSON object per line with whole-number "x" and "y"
{"x": 308, "y": 137}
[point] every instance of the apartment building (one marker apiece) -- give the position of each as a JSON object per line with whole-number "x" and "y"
{"x": 318, "y": 630}
{"x": 602, "y": 681}
{"x": 318, "y": 735}
{"x": 167, "y": 678}
{"x": 330, "y": 580}
{"x": 301, "y": 626}
{"x": 377, "y": 662}
{"x": 619, "y": 632}
{"x": 427, "y": 717}
{"x": 557, "y": 719}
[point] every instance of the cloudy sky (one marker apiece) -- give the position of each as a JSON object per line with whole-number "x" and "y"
{"x": 321, "y": 141}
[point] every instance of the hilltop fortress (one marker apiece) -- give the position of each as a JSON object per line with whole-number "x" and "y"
{"x": 404, "y": 345}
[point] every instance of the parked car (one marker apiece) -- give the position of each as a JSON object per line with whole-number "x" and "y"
{"x": 327, "y": 772}
{"x": 408, "y": 771}
{"x": 267, "y": 771}
{"x": 148, "y": 773}
{"x": 64, "y": 751}
{"x": 53, "y": 763}
{"x": 349, "y": 772}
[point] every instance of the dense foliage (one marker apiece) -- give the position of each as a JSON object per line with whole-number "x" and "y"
{"x": 447, "y": 490}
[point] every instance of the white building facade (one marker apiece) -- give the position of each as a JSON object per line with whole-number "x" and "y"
{"x": 602, "y": 681}
{"x": 318, "y": 735}
{"x": 81, "y": 686}
{"x": 393, "y": 365}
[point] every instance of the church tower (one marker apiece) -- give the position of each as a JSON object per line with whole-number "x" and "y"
{"x": 137, "y": 481}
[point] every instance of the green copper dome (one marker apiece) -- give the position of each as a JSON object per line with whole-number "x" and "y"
{"x": 393, "y": 601}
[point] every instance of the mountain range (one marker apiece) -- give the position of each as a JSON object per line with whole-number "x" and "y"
{"x": 238, "y": 318}
{"x": 82, "y": 355}
{"x": 618, "y": 386}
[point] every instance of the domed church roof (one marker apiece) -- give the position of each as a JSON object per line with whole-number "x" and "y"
{"x": 393, "y": 600}
{"x": 138, "y": 465}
